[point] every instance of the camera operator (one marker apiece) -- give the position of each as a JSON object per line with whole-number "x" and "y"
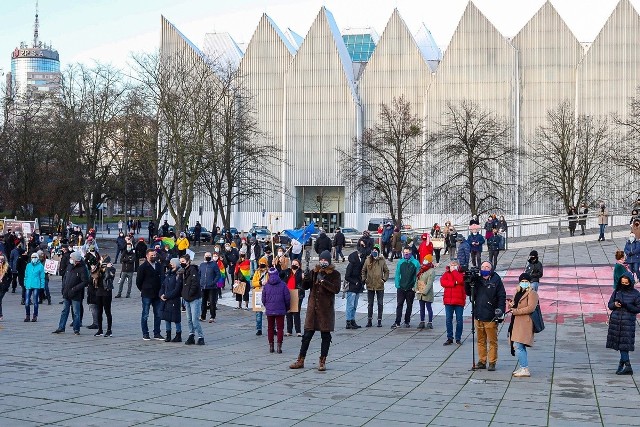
{"x": 490, "y": 298}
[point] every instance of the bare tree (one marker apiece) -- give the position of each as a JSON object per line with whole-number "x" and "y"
{"x": 479, "y": 157}
{"x": 627, "y": 153}
{"x": 386, "y": 162}
{"x": 571, "y": 154}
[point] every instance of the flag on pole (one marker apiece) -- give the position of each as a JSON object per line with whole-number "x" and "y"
{"x": 302, "y": 234}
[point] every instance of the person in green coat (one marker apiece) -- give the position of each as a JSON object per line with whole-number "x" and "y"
{"x": 33, "y": 282}
{"x": 620, "y": 268}
{"x": 406, "y": 276}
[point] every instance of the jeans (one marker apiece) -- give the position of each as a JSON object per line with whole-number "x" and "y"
{"x": 408, "y": 296}
{"x": 521, "y": 354}
{"x": 306, "y": 340}
{"x": 67, "y": 304}
{"x": 427, "y": 305}
{"x": 534, "y": 286}
{"x": 602, "y": 226}
{"x": 167, "y": 326}
{"x": 125, "y": 277}
{"x": 1, "y": 296}
{"x": 380, "y": 297}
{"x": 209, "y": 296}
{"x": 253, "y": 266}
{"x": 487, "y": 331}
{"x": 339, "y": 253}
{"x": 633, "y": 266}
{"x": 458, "y": 310}
{"x": 258, "y": 320}
{"x": 118, "y": 252}
{"x": 352, "y": 303}
{"x": 624, "y": 356}
{"x": 32, "y": 294}
{"x": 146, "y": 304}
{"x": 193, "y": 311}
{"x": 273, "y": 323}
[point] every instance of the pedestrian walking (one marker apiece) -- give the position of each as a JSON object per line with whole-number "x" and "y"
{"x": 276, "y": 300}
{"x": 625, "y": 306}
{"x": 535, "y": 269}
{"x": 324, "y": 283}
{"x": 520, "y": 331}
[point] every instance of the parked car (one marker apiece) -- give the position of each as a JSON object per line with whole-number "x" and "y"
{"x": 375, "y": 223}
{"x": 263, "y": 235}
{"x": 205, "y": 235}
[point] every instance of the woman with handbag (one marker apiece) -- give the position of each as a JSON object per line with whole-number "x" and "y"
{"x": 625, "y": 306}
{"x": 293, "y": 278}
{"x": 520, "y": 332}
{"x": 424, "y": 292}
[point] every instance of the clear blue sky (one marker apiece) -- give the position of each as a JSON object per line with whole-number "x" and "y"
{"x": 109, "y": 30}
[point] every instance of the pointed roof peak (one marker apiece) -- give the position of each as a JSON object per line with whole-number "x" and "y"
{"x": 286, "y": 40}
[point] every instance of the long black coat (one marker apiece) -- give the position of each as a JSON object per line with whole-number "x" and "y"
{"x": 324, "y": 284}
{"x": 171, "y": 289}
{"x": 622, "y": 322}
{"x": 353, "y": 275}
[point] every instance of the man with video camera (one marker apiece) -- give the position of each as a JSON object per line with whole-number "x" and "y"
{"x": 489, "y": 297}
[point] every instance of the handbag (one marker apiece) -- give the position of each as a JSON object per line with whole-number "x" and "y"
{"x": 536, "y": 319}
{"x": 239, "y": 287}
{"x": 438, "y": 242}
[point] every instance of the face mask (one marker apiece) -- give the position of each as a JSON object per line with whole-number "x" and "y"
{"x": 324, "y": 264}
{"x": 228, "y": 248}
{"x": 215, "y": 258}
{"x": 406, "y": 256}
{"x": 183, "y": 264}
{"x": 280, "y": 253}
{"x": 524, "y": 285}
{"x": 475, "y": 232}
{"x": 262, "y": 266}
{"x": 532, "y": 259}
{"x": 129, "y": 248}
{"x": 208, "y": 258}
{"x": 374, "y": 254}
{"x": 34, "y": 261}
{"x": 454, "y": 267}
{"x": 485, "y": 273}
{"x": 632, "y": 238}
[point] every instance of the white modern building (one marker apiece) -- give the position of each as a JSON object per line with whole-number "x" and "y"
{"x": 314, "y": 94}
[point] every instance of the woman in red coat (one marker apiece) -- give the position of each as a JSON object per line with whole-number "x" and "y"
{"x": 426, "y": 247}
{"x": 454, "y": 300}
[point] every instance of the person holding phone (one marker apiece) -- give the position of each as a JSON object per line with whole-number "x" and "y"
{"x": 625, "y": 306}
{"x": 520, "y": 332}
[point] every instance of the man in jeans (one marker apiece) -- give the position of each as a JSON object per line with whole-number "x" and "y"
{"x": 148, "y": 281}
{"x": 128, "y": 261}
{"x": 189, "y": 279}
{"x": 76, "y": 278}
{"x": 490, "y": 299}
{"x": 454, "y": 300}
{"x": 406, "y": 276}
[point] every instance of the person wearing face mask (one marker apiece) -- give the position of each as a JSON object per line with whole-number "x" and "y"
{"x": 374, "y": 275}
{"x": 76, "y": 279}
{"x": 276, "y": 300}
{"x": 293, "y": 278}
{"x": 475, "y": 241}
{"x": 534, "y": 269}
{"x": 426, "y": 247}
{"x": 242, "y": 273}
{"x": 128, "y": 261}
{"x": 405, "y": 281}
{"x": 324, "y": 283}
{"x": 624, "y": 304}
{"x": 280, "y": 261}
{"x": 5, "y": 280}
{"x": 632, "y": 252}
{"x": 209, "y": 277}
{"x": 490, "y": 298}
{"x": 258, "y": 280}
{"x": 520, "y": 332}
{"x": 454, "y": 300}
{"x": 188, "y": 279}
{"x": 92, "y": 260}
{"x": 424, "y": 292}
{"x": 620, "y": 268}
{"x": 355, "y": 286}
{"x": 170, "y": 293}
{"x": 231, "y": 256}
{"x": 603, "y": 220}
{"x": 148, "y": 281}
{"x": 33, "y": 282}
{"x": 121, "y": 245}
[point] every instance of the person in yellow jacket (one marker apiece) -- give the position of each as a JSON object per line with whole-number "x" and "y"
{"x": 183, "y": 244}
{"x": 259, "y": 279}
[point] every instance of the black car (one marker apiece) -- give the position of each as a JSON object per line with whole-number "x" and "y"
{"x": 205, "y": 235}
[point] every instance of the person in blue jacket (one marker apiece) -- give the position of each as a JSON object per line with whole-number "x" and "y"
{"x": 405, "y": 280}
{"x": 632, "y": 253}
{"x": 33, "y": 282}
{"x": 464, "y": 254}
{"x": 476, "y": 241}
{"x": 209, "y": 278}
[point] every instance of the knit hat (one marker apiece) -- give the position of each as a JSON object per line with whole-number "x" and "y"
{"x": 524, "y": 276}
{"x": 76, "y": 256}
{"x": 273, "y": 270}
{"x": 533, "y": 253}
{"x": 325, "y": 255}
{"x": 175, "y": 262}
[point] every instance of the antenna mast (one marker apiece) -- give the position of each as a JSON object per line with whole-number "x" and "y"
{"x": 36, "y": 25}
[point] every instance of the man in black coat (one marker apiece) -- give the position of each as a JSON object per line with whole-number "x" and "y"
{"x": 322, "y": 243}
{"x": 129, "y": 262}
{"x": 365, "y": 243}
{"x": 76, "y": 278}
{"x": 355, "y": 286}
{"x": 339, "y": 242}
{"x": 189, "y": 279}
{"x": 148, "y": 281}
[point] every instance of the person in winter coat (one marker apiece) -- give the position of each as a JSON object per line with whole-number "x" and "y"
{"x": 488, "y": 228}
{"x": 365, "y": 243}
{"x": 620, "y": 268}
{"x": 322, "y": 243}
{"x": 520, "y": 332}
{"x": 396, "y": 244}
{"x": 231, "y": 257}
{"x": 405, "y": 280}
{"x": 182, "y": 243}
{"x": 170, "y": 292}
{"x": 572, "y": 214}
{"x": 424, "y": 292}
{"x": 121, "y": 245}
{"x": 355, "y": 286}
{"x": 141, "y": 252}
{"x": 75, "y": 280}
{"x": 339, "y": 242}
{"x": 5, "y": 280}
{"x": 495, "y": 244}
{"x": 102, "y": 277}
{"x": 625, "y": 306}
{"x": 324, "y": 283}
{"x": 534, "y": 269}
{"x": 436, "y": 233}
{"x": 454, "y": 300}
{"x": 583, "y": 211}
{"x": 128, "y": 261}
{"x": 603, "y": 220}
{"x": 293, "y": 278}
{"x": 374, "y": 275}
{"x": 476, "y": 241}
{"x": 33, "y": 282}
{"x": 148, "y": 281}
{"x": 276, "y": 300}
{"x": 385, "y": 238}
{"x": 209, "y": 277}
{"x": 426, "y": 247}
{"x": 258, "y": 281}
{"x": 464, "y": 254}
{"x": 189, "y": 280}
{"x": 451, "y": 243}
{"x": 632, "y": 252}
{"x": 242, "y": 273}
{"x": 490, "y": 298}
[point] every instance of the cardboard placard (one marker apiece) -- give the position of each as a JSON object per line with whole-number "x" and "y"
{"x": 239, "y": 287}
{"x": 256, "y": 301}
{"x": 51, "y": 266}
{"x": 293, "y": 306}
{"x": 420, "y": 287}
{"x": 438, "y": 242}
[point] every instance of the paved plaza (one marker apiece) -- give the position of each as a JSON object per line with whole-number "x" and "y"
{"x": 375, "y": 376}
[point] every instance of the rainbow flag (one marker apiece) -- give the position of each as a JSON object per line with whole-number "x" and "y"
{"x": 245, "y": 269}
{"x": 223, "y": 272}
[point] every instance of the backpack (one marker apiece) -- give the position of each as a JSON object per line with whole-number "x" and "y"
{"x": 536, "y": 319}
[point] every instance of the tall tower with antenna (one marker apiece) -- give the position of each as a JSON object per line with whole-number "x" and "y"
{"x": 34, "y": 69}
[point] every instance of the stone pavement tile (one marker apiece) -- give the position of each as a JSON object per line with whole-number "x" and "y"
{"x": 539, "y": 418}
{"x": 332, "y": 419}
{"x": 5, "y": 421}
{"x": 173, "y": 421}
{"x": 573, "y": 423}
{"x": 409, "y": 417}
{"x": 167, "y": 408}
{"x": 385, "y": 423}
{"x": 38, "y": 415}
{"x": 455, "y": 406}
{"x": 101, "y": 400}
{"x": 281, "y": 411}
{"x": 260, "y": 420}
{"x": 355, "y": 412}
{"x": 184, "y": 400}
{"x": 70, "y": 408}
{"x": 357, "y": 403}
{"x": 443, "y": 421}
{"x": 124, "y": 415}
{"x": 620, "y": 420}
{"x": 208, "y": 413}
{"x": 94, "y": 421}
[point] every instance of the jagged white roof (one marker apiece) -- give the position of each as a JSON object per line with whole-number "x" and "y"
{"x": 427, "y": 44}
{"x": 294, "y": 38}
{"x": 222, "y": 48}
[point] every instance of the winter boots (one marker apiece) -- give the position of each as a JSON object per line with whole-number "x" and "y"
{"x": 322, "y": 364}
{"x": 626, "y": 369}
{"x": 271, "y": 349}
{"x": 298, "y": 364}
{"x": 351, "y": 324}
{"x": 279, "y": 348}
{"x": 178, "y": 337}
{"x": 167, "y": 337}
{"x": 369, "y": 324}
